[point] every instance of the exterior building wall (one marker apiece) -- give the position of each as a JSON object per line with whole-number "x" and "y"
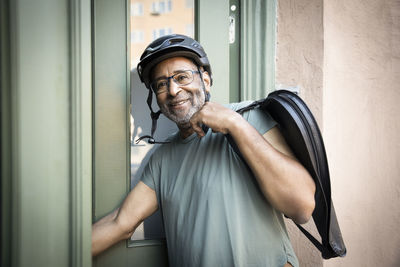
{"x": 345, "y": 57}
{"x": 361, "y": 126}
{"x": 299, "y": 59}
{"x": 299, "y": 63}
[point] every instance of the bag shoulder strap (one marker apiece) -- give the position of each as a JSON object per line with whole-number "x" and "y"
{"x": 302, "y": 134}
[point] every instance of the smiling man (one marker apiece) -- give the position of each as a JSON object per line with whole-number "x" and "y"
{"x": 217, "y": 210}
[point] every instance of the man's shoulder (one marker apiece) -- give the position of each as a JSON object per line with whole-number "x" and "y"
{"x": 260, "y": 119}
{"x": 238, "y": 105}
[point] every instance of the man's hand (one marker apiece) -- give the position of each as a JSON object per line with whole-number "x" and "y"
{"x": 219, "y": 118}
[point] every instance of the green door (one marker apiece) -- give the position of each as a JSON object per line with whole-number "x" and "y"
{"x": 111, "y": 98}
{"x": 217, "y": 26}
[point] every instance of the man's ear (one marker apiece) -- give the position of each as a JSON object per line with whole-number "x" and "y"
{"x": 207, "y": 81}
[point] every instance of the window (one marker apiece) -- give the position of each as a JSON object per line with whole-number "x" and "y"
{"x": 137, "y": 9}
{"x": 160, "y": 17}
{"x": 189, "y": 3}
{"x": 161, "y": 7}
{"x": 137, "y": 36}
{"x": 160, "y": 32}
{"x": 189, "y": 30}
{"x": 169, "y": 5}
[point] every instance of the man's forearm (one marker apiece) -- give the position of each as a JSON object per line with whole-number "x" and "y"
{"x": 106, "y": 232}
{"x": 140, "y": 203}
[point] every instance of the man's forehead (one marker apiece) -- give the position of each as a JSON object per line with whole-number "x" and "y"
{"x": 174, "y": 63}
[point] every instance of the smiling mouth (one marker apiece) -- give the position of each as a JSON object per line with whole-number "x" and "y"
{"x": 178, "y": 103}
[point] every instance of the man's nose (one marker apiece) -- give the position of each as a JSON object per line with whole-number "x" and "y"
{"x": 173, "y": 88}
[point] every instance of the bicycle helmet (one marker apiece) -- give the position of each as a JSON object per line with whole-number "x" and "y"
{"x": 173, "y": 45}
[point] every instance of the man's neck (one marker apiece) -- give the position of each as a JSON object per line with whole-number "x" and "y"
{"x": 185, "y": 131}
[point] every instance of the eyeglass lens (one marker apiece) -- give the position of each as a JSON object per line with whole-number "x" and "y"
{"x": 180, "y": 78}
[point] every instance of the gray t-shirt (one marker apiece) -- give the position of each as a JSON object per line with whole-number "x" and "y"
{"x": 213, "y": 210}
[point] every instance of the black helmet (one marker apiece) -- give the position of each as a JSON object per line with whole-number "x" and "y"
{"x": 172, "y": 45}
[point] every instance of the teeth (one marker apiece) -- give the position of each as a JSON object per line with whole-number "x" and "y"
{"x": 178, "y": 103}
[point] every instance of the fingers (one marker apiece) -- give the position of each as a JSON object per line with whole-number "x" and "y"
{"x": 214, "y": 116}
{"x": 196, "y": 123}
{"x": 207, "y": 117}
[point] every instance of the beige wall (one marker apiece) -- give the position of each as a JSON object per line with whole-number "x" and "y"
{"x": 300, "y": 49}
{"x": 359, "y": 109}
{"x": 362, "y": 124}
{"x": 299, "y": 62}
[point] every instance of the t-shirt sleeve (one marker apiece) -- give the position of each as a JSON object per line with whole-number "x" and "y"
{"x": 260, "y": 120}
{"x": 148, "y": 174}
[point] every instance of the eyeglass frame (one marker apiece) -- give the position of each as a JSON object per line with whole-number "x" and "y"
{"x": 175, "y": 81}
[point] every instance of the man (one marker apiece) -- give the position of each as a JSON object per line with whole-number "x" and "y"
{"x": 217, "y": 210}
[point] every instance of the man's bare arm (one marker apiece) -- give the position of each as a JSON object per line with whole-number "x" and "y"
{"x": 306, "y": 185}
{"x": 283, "y": 180}
{"x": 120, "y": 224}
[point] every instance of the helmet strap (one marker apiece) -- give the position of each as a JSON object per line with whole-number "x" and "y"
{"x": 206, "y": 94}
{"x": 154, "y": 117}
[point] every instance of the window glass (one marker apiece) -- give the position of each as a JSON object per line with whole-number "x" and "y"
{"x": 169, "y": 5}
{"x": 161, "y": 7}
{"x": 189, "y": 3}
{"x": 137, "y": 36}
{"x": 137, "y": 9}
{"x": 149, "y": 20}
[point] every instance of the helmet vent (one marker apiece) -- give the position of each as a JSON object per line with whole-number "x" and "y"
{"x": 175, "y": 40}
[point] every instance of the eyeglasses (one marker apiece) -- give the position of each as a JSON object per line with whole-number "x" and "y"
{"x": 181, "y": 78}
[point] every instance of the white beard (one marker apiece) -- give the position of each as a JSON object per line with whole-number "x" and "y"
{"x": 182, "y": 120}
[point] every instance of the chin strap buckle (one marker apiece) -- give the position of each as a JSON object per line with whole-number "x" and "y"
{"x": 150, "y": 140}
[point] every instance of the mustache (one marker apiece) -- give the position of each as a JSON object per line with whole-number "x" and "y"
{"x": 177, "y": 100}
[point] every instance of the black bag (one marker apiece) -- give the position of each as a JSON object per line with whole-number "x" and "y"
{"x": 301, "y": 132}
